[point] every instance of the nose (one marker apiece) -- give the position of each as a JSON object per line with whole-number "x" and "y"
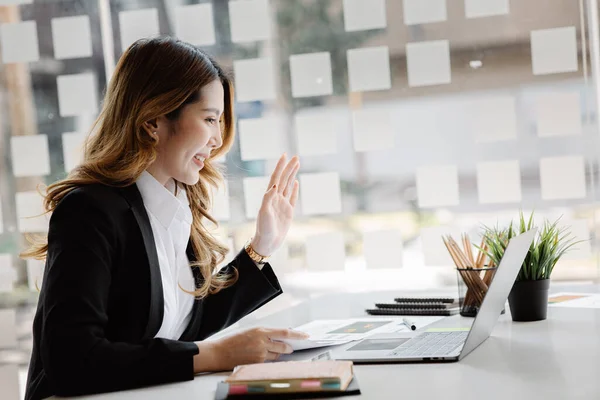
{"x": 216, "y": 140}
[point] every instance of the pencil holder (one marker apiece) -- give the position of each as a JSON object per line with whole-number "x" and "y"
{"x": 472, "y": 288}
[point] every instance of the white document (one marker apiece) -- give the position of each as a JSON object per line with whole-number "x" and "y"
{"x": 312, "y": 344}
{"x": 575, "y": 300}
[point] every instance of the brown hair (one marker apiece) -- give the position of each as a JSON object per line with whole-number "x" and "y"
{"x": 154, "y": 77}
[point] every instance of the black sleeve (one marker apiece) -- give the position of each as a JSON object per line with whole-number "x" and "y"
{"x": 76, "y": 355}
{"x": 254, "y": 288}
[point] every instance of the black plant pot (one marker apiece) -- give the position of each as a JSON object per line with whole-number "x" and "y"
{"x": 528, "y": 300}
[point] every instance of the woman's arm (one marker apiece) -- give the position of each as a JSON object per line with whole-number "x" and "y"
{"x": 77, "y": 357}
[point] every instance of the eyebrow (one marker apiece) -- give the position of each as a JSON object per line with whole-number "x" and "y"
{"x": 215, "y": 110}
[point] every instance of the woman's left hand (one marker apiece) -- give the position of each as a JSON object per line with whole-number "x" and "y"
{"x": 277, "y": 208}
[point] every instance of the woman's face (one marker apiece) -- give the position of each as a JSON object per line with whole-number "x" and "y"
{"x": 184, "y": 144}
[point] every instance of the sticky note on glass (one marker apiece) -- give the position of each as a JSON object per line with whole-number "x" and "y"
{"x": 8, "y": 336}
{"x": 261, "y": 138}
{"x": 72, "y": 37}
{"x": 249, "y": 20}
{"x": 369, "y": 69}
{"x": 30, "y": 213}
{"x": 325, "y": 252}
{"x": 30, "y": 156}
{"x": 73, "y": 146}
{"x": 137, "y": 24}
{"x": 77, "y": 95}
{"x": 437, "y": 186}
{"x": 493, "y": 119}
{"x": 562, "y": 178}
{"x": 434, "y": 251}
{"x": 35, "y": 274}
{"x": 383, "y": 248}
{"x": 254, "y": 79}
{"x": 19, "y": 42}
{"x": 372, "y": 130}
{"x": 7, "y": 278}
{"x": 424, "y": 11}
{"x": 485, "y": 8}
{"x": 195, "y": 24}
{"x": 554, "y": 50}
{"x": 558, "y": 114}
{"x": 255, "y": 188}
{"x": 220, "y": 202}
{"x": 499, "y": 182}
{"x": 316, "y": 133}
{"x": 428, "y": 63}
{"x": 320, "y": 193}
{"x": 361, "y": 15}
{"x": 311, "y": 74}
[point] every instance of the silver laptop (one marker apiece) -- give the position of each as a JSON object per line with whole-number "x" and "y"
{"x": 450, "y": 339}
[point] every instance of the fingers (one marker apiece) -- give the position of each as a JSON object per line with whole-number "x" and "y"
{"x": 294, "y": 196}
{"x": 275, "y": 346}
{"x": 276, "y": 175}
{"x": 286, "y": 334}
{"x": 287, "y": 172}
{"x": 272, "y": 356}
{"x": 289, "y": 184}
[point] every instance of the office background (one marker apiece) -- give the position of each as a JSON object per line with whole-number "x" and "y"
{"x": 412, "y": 118}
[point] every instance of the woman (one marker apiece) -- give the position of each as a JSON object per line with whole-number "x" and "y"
{"x": 130, "y": 289}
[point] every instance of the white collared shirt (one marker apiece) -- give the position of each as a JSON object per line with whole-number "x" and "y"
{"x": 171, "y": 220}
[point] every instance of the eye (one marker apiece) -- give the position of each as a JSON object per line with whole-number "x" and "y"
{"x": 211, "y": 121}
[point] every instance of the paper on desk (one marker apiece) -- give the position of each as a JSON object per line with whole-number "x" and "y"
{"x": 359, "y": 328}
{"x": 312, "y": 344}
{"x": 575, "y": 300}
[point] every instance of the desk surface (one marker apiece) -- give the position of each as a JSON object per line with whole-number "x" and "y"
{"x": 554, "y": 359}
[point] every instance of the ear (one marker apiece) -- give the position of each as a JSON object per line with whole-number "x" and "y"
{"x": 151, "y": 127}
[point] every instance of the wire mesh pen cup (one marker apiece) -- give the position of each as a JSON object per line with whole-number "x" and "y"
{"x": 473, "y": 284}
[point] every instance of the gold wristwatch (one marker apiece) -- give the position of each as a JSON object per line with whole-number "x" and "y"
{"x": 257, "y": 258}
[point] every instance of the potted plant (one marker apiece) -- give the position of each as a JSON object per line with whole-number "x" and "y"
{"x": 528, "y": 299}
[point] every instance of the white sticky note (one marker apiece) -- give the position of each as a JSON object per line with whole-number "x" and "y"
{"x": 77, "y": 94}
{"x": 19, "y": 42}
{"x": 220, "y": 202}
{"x": 493, "y": 119}
{"x": 280, "y": 260}
{"x": 315, "y": 134}
{"x": 485, "y": 8}
{"x": 7, "y": 277}
{"x": 437, "y": 186}
{"x": 424, "y": 11}
{"x": 383, "y": 249}
{"x": 8, "y": 331}
{"x": 311, "y": 74}
{"x": 261, "y": 138}
{"x": 372, "y": 130}
{"x": 554, "y": 50}
{"x": 579, "y": 231}
{"x": 30, "y": 212}
{"x": 249, "y": 20}
{"x": 35, "y": 274}
{"x": 369, "y": 69}
{"x": 254, "y": 79}
{"x": 562, "y": 178}
{"x": 72, "y": 37}
{"x": 320, "y": 193}
{"x": 73, "y": 146}
{"x": 255, "y": 188}
{"x": 499, "y": 182}
{"x": 30, "y": 155}
{"x": 360, "y": 15}
{"x": 9, "y": 382}
{"x": 137, "y": 24}
{"x": 326, "y": 252}
{"x": 428, "y": 63}
{"x": 434, "y": 250}
{"x": 195, "y": 24}
{"x": 558, "y": 114}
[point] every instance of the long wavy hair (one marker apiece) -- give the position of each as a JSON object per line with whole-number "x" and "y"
{"x": 154, "y": 77}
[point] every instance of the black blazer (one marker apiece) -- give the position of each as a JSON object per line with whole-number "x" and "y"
{"x": 101, "y": 301}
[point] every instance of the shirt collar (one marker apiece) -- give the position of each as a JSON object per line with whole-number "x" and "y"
{"x": 161, "y": 201}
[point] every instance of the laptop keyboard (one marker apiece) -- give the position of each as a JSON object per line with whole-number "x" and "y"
{"x": 431, "y": 344}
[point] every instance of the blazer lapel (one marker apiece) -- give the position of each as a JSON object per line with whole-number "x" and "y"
{"x": 156, "y": 312}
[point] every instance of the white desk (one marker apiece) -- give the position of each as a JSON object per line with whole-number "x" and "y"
{"x": 556, "y": 359}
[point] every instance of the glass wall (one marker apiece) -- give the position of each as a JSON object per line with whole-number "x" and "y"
{"x": 412, "y": 119}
